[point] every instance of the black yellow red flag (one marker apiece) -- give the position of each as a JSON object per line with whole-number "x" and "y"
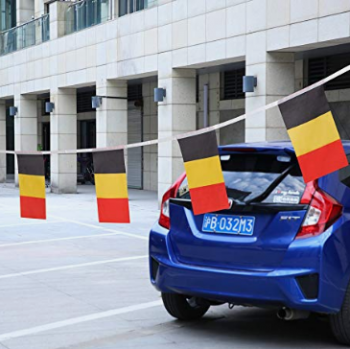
{"x": 111, "y": 186}
{"x": 204, "y": 173}
{"x": 314, "y": 134}
{"x": 31, "y": 178}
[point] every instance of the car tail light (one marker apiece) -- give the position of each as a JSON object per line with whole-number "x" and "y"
{"x": 164, "y": 219}
{"x": 322, "y": 213}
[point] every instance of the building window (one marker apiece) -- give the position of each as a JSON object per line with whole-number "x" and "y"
{"x": 130, "y": 6}
{"x": 7, "y": 14}
{"x": 320, "y": 68}
{"x": 232, "y": 84}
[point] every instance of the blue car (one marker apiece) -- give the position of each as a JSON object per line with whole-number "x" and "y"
{"x": 282, "y": 243}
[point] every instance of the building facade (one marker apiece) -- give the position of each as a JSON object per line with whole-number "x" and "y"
{"x": 197, "y": 50}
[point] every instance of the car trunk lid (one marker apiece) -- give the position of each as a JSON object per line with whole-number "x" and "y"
{"x": 276, "y": 217}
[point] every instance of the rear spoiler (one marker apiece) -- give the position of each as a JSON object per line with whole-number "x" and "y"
{"x": 223, "y": 150}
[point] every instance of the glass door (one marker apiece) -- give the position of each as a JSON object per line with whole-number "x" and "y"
{"x": 7, "y": 14}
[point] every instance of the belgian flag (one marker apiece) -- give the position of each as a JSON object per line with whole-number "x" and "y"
{"x": 111, "y": 186}
{"x": 31, "y": 177}
{"x": 204, "y": 174}
{"x": 314, "y": 135}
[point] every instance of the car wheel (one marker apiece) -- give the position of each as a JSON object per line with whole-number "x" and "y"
{"x": 182, "y": 307}
{"x": 340, "y": 322}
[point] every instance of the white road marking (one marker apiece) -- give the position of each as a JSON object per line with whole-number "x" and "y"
{"x": 101, "y": 228}
{"x": 77, "y": 320}
{"x": 71, "y": 266}
{"x": 26, "y": 224}
{"x": 6, "y": 206}
{"x": 15, "y": 244}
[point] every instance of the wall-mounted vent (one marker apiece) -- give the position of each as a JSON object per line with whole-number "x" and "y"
{"x": 84, "y": 100}
{"x": 232, "y": 84}
{"x": 134, "y": 92}
{"x": 320, "y": 68}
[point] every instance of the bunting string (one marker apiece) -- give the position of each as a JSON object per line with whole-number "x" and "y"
{"x": 192, "y": 133}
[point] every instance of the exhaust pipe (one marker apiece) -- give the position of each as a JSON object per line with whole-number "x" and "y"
{"x": 288, "y": 314}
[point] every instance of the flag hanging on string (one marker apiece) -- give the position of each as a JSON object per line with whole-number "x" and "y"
{"x": 31, "y": 178}
{"x": 314, "y": 134}
{"x": 111, "y": 186}
{"x": 204, "y": 173}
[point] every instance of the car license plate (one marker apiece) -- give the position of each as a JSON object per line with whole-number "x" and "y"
{"x": 239, "y": 225}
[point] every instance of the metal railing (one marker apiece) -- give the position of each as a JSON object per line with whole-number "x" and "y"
{"x": 87, "y": 13}
{"x": 26, "y": 35}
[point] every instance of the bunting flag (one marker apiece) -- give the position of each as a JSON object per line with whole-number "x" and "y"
{"x": 204, "y": 174}
{"x": 111, "y": 187}
{"x": 31, "y": 178}
{"x": 314, "y": 135}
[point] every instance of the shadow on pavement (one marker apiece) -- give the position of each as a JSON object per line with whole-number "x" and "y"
{"x": 257, "y": 328}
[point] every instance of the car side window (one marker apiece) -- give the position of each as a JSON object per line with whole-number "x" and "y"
{"x": 344, "y": 174}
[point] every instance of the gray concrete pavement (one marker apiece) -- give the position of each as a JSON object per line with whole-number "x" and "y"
{"x": 72, "y": 283}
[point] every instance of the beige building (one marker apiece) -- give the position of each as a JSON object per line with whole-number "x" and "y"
{"x": 197, "y": 50}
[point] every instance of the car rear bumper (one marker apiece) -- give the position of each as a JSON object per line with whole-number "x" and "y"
{"x": 280, "y": 287}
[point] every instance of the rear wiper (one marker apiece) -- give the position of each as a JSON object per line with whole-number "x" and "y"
{"x": 272, "y": 186}
{"x": 236, "y": 201}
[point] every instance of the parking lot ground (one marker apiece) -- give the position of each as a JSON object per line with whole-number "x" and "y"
{"x": 70, "y": 282}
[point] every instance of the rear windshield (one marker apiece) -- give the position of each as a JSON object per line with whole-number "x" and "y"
{"x": 249, "y": 175}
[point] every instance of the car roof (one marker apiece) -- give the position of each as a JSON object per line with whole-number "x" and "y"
{"x": 277, "y": 145}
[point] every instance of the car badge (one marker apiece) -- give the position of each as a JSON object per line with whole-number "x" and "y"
{"x": 289, "y": 218}
{"x": 230, "y": 201}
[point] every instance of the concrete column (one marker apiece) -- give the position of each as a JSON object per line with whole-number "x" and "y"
{"x": 58, "y": 19}
{"x": 64, "y": 136}
{"x": 275, "y": 73}
{"x": 38, "y": 8}
{"x": 115, "y": 8}
{"x": 112, "y": 116}
{"x": 24, "y": 11}
{"x": 2, "y": 141}
{"x": 26, "y": 126}
{"x": 176, "y": 115}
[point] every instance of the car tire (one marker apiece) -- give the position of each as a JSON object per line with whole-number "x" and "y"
{"x": 179, "y": 307}
{"x": 340, "y": 322}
